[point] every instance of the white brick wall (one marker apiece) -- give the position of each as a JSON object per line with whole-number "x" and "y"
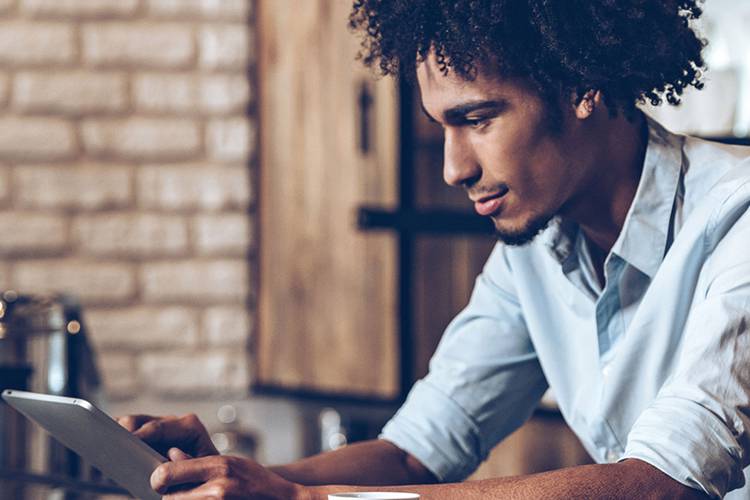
{"x": 118, "y": 373}
{"x": 32, "y": 139}
{"x": 94, "y": 282}
{"x": 186, "y": 93}
{"x": 193, "y": 187}
{"x": 79, "y": 8}
{"x": 212, "y": 281}
{"x": 4, "y": 184}
{"x": 126, "y": 157}
{"x": 63, "y": 186}
{"x": 142, "y": 138}
{"x": 158, "y": 45}
{"x": 213, "y": 373}
{"x": 32, "y": 44}
{"x": 131, "y": 234}
{"x": 28, "y": 233}
{"x": 144, "y": 327}
{"x": 226, "y": 326}
{"x": 224, "y": 46}
{"x": 4, "y": 86}
{"x": 234, "y": 10}
{"x": 77, "y": 92}
{"x": 229, "y": 140}
{"x": 222, "y": 234}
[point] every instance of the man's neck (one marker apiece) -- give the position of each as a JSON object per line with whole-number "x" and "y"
{"x": 618, "y": 163}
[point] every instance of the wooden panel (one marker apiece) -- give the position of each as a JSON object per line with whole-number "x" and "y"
{"x": 544, "y": 443}
{"x": 327, "y": 292}
{"x": 444, "y": 275}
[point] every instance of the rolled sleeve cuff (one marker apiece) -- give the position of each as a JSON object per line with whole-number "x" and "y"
{"x": 436, "y": 431}
{"x": 690, "y": 444}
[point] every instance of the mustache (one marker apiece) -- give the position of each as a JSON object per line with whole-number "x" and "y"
{"x": 478, "y": 192}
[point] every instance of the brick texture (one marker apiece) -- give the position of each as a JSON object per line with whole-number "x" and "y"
{"x": 4, "y": 86}
{"x": 118, "y": 373}
{"x": 226, "y": 326}
{"x": 34, "y": 139}
{"x": 85, "y": 187}
{"x": 193, "y": 187}
{"x": 129, "y": 234}
{"x": 180, "y": 372}
{"x": 224, "y": 47}
{"x": 76, "y": 93}
{"x": 5, "y": 282}
{"x": 195, "y": 281}
{"x": 79, "y": 8}
{"x": 142, "y": 138}
{"x": 234, "y": 10}
{"x": 143, "y": 327}
{"x": 187, "y": 93}
{"x": 93, "y": 282}
{"x": 222, "y": 234}
{"x": 4, "y": 184}
{"x": 127, "y": 153}
{"x": 129, "y": 44}
{"x": 36, "y": 43}
{"x": 229, "y": 140}
{"x": 28, "y": 233}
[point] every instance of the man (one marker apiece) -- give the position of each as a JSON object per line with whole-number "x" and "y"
{"x": 621, "y": 279}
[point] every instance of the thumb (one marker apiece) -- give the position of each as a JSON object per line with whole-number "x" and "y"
{"x": 177, "y": 455}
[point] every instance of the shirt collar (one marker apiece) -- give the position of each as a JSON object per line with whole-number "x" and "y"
{"x": 643, "y": 239}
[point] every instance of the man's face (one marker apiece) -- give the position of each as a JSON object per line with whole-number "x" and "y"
{"x": 516, "y": 166}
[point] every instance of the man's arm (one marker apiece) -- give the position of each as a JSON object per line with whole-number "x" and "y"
{"x": 233, "y": 477}
{"x": 625, "y": 480}
{"x": 375, "y": 462}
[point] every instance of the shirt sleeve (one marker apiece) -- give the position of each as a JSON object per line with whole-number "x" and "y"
{"x": 697, "y": 431}
{"x": 484, "y": 381}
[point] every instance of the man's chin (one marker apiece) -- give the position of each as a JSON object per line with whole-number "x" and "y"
{"x": 524, "y": 235}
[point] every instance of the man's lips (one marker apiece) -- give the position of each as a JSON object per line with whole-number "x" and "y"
{"x": 488, "y": 205}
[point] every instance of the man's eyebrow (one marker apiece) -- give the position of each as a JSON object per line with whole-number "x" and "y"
{"x": 457, "y": 114}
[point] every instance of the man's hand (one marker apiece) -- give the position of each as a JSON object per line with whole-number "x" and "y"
{"x": 220, "y": 477}
{"x": 162, "y": 433}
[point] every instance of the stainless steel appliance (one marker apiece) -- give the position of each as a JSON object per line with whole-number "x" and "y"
{"x": 43, "y": 348}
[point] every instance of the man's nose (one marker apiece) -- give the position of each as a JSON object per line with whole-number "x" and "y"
{"x": 460, "y": 167}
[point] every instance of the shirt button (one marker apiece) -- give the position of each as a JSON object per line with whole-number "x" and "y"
{"x": 606, "y": 370}
{"x": 612, "y": 456}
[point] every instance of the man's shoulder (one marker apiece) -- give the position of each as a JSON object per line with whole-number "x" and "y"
{"x": 714, "y": 172}
{"x": 707, "y": 158}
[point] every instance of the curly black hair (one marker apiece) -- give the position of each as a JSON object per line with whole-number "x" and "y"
{"x": 630, "y": 50}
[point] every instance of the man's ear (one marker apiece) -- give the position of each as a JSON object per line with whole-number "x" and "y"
{"x": 585, "y": 105}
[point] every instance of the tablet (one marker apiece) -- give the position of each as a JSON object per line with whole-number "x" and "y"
{"x": 95, "y": 436}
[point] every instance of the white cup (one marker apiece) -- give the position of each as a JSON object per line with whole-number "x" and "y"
{"x": 375, "y": 495}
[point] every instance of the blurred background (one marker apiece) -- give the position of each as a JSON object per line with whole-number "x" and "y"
{"x": 208, "y": 206}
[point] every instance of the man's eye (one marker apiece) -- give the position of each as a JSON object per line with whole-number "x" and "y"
{"x": 477, "y": 122}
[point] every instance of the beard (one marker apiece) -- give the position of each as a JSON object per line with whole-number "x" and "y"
{"x": 524, "y": 235}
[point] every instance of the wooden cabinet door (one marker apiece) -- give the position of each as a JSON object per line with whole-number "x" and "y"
{"x": 328, "y": 134}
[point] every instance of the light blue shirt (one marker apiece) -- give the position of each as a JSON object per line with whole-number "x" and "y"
{"x": 654, "y": 366}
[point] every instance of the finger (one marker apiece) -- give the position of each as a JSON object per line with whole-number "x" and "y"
{"x": 177, "y": 455}
{"x": 212, "y": 489}
{"x": 162, "y": 431}
{"x": 197, "y": 470}
{"x": 187, "y": 433}
{"x": 133, "y": 422}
